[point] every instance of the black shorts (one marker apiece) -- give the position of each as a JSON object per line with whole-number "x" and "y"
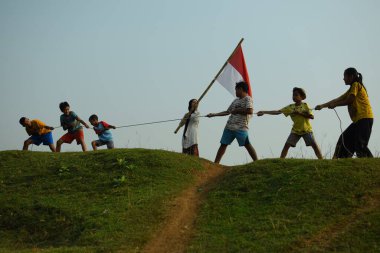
{"x": 355, "y": 140}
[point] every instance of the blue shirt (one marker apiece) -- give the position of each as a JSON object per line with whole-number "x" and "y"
{"x": 100, "y": 130}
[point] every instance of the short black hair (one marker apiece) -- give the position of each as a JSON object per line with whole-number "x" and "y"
{"x": 63, "y": 105}
{"x": 300, "y": 91}
{"x": 242, "y": 85}
{"x": 93, "y": 117}
{"x": 22, "y": 120}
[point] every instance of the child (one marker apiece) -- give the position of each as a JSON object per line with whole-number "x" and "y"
{"x": 300, "y": 113}
{"x": 240, "y": 112}
{"x": 39, "y": 133}
{"x": 102, "y": 130}
{"x": 190, "y": 133}
{"x": 356, "y": 137}
{"x": 71, "y": 122}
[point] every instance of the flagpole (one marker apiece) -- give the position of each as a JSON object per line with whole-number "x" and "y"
{"x": 220, "y": 71}
{"x": 209, "y": 86}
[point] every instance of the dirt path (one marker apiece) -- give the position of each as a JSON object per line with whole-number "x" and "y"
{"x": 176, "y": 232}
{"x": 327, "y": 235}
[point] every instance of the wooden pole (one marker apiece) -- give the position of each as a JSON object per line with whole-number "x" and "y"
{"x": 183, "y": 121}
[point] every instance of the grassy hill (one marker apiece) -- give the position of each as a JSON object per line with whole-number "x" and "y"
{"x": 86, "y": 202}
{"x": 114, "y": 200}
{"x": 293, "y": 206}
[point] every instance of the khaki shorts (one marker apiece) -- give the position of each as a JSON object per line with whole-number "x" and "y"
{"x": 294, "y": 138}
{"x": 109, "y": 144}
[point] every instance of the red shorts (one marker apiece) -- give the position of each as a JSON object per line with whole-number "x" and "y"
{"x": 77, "y": 135}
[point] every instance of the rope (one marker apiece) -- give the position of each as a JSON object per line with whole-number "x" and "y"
{"x": 154, "y": 122}
{"x": 341, "y": 131}
{"x": 150, "y": 123}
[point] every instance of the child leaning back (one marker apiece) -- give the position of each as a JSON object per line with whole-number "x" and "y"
{"x": 300, "y": 113}
{"x": 101, "y": 128}
{"x": 71, "y": 122}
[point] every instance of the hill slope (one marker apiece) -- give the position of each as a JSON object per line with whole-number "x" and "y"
{"x": 103, "y": 201}
{"x": 149, "y": 200}
{"x": 293, "y": 206}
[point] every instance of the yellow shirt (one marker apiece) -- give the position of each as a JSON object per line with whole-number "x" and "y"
{"x": 360, "y": 108}
{"x": 301, "y": 124}
{"x": 37, "y": 127}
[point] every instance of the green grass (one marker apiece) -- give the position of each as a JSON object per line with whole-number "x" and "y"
{"x": 87, "y": 202}
{"x": 113, "y": 200}
{"x": 283, "y": 205}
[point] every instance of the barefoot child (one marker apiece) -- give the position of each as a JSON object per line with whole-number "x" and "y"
{"x": 240, "y": 112}
{"x": 190, "y": 133}
{"x": 71, "y": 122}
{"x": 356, "y": 137}
{"x": 102, "y": 130}
{"x": 39, "y": 133}
{"x": 300, "y": 113}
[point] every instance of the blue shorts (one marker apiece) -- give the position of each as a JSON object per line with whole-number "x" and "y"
{"x": 46, "y": 139}
{"x": 229, "y": 136}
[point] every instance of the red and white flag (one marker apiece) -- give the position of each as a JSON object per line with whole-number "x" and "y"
{"x": 235, "y": 71}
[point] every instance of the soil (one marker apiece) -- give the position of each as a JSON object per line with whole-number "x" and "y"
{"x": 177, "y": 230}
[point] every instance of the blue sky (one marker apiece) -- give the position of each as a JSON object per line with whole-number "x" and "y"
{"x": 140, "y": 61}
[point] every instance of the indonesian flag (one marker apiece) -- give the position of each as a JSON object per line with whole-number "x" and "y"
{"x": 235, "y": 71}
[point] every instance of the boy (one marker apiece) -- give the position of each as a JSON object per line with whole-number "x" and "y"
{"x": 71, "y": 122}
{"x": 102, "y": 130}
{"x": 240, "y": 112}
{"x": 300, "y": 114}
{"x": 39, "y": 133}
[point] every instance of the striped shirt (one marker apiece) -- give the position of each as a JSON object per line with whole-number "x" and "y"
{"x": 239, "y": 121}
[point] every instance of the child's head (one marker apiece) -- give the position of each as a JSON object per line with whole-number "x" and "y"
{"x": 193, "y": 104}
{"x": 241, "y": 89}
{"x": 93, "y": 120}
{"x": 64, "y": 107}
{"x": 351, "y": 75}
{"x": 24, "y": 121}
{"x": 299, "y": 94}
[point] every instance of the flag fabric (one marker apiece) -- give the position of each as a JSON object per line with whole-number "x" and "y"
{"x": 235, "y": 71}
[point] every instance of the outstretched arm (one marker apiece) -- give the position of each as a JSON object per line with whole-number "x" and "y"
{"x": 219, "y": 114}
{"x": 110, "y": 127}
{"x": 343, "y": 102}
{"x": 276, "y": 112}
{"x": 242, "y": 111}
{"x": 82, "y": 122}
{"x": 339, "y": 101}
{"x": 42, "y": 125}
{"x": 49, "y": 127}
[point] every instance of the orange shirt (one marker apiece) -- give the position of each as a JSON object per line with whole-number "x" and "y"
{"x": 37, "y": 127}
